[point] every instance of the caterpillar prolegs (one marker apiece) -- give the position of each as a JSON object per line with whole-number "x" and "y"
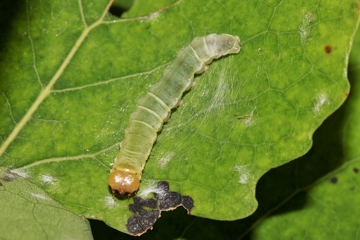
{"x": 154, "y": 108}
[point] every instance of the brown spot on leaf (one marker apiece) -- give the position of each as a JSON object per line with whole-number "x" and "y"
{"x": 8, "y": 176}
{"x": 328, "y": 49}
{"x": 243, "y": 117}
{"x": 356, "y": 170}
{"x": 334, "y": 180}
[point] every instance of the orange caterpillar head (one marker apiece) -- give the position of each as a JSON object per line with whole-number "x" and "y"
{"x": 123, "y": 182}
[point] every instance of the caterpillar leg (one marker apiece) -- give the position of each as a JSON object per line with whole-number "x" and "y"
{"x": 191, "y": 86}
{"x": 180, "y": 103}
{"x": 167, "y": 118}
{"x": 204, "y": 68}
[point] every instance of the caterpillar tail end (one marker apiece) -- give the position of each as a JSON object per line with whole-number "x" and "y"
{"x": 123, "y": 182}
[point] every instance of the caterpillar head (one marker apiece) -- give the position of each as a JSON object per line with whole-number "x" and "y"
{"x": 123, "y": 182}
{"x": 229, "y": 44}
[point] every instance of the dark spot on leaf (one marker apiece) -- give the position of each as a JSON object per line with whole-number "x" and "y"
{"x": 334, "y": 180}
{"x": 150, "y": 203}
{"x": 147, "y": 211}
{"x": 8, "y": 176}
{"x": 169, "y": 201}
{"x": 135, "y": 208}
{"x": 187, "y": 203}
{"x": 162, "y": 185}
{"x": 1, "y": 184}
{"x": 346, "y": 94}
{"x": 356, "y": 170}
{"x": 139, "y": 224}
{"x": 328, "y": 49}
{"x": 139, "y": 203}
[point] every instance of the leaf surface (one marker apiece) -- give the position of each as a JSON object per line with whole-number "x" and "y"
{"x": 71, "y": 76}
{"x": 28, "y": 212}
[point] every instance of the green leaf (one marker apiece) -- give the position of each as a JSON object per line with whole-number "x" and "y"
{"x": 328, "y": 195}
{"x": 71, "y": 75}
{"x": 313, "y": 197}
{"x": 28, "y": 212}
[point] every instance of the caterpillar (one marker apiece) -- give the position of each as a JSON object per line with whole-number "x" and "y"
{"x": 154, "y": 108}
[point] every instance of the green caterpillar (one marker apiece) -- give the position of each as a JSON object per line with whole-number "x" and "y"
{"x": 153, "y": 109}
